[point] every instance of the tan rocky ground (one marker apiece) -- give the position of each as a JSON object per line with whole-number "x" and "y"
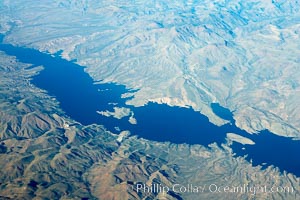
{"x": 46, "y": 155}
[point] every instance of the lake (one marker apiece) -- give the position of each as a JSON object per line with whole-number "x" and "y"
{"x": 80, "y": 97}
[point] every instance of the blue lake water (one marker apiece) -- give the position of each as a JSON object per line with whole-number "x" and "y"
{"x": 80, "y": 98}
{"x": 222, "y": 112}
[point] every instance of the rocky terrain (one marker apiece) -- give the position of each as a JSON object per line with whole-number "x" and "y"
{"x": 46, "y": 155}
{"x": 242, "y": 55}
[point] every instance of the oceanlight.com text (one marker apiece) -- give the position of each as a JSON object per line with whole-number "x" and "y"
{"x": 212, "y": 188}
